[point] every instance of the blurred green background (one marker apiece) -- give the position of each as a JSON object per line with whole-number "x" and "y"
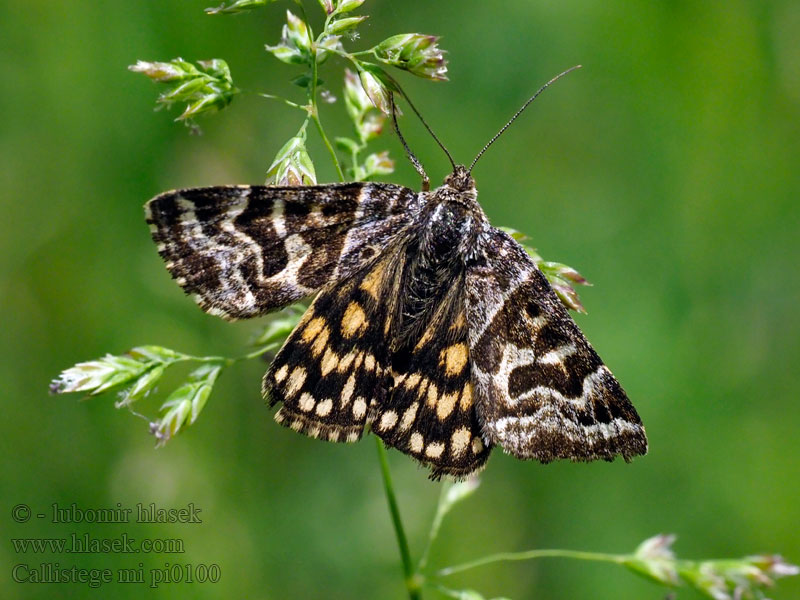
{"x": 667, "y": 171}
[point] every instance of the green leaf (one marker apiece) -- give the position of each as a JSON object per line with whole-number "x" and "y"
{"x": 469, "y": 595}
{"x": 517, "y": 235}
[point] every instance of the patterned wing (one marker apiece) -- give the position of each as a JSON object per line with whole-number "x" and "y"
{"x": 334, "y": 368}
{"x": 430, "y": 413}
{"x": 245, "y": 250}
{"x": 541, "y": 390}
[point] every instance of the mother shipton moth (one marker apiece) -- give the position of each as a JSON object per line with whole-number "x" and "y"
{"x": 430, "y": 326}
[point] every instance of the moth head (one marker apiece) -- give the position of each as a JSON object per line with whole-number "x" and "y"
{"x": 460, "y": 180}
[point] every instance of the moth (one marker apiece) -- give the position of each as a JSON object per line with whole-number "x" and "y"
{"x": 430, "y": 327}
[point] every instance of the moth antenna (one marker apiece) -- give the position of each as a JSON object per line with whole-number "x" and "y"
{"x": 518, "y": 113}
{"x": 424, "y": 122}
{"x": 426, "y": 182}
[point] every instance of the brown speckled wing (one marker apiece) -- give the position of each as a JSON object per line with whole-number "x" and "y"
{"x": 541, "y": 391}
{"x": 242, "y": 251}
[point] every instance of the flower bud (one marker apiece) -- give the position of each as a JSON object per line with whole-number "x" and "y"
{"x": 414, "y": 52}
{"x": 205, "y": 90}
{"x": 346, "y": 24}
{"x": 348, "y": 5}
{"x": 327, "y": 6}
{"x": 176, "y": 70}
{"x": 655, "y": 560}
{"x": 292, "y": 165}
{"x": 376, "y": 91}
{"x": 356, "y": 100}
{"x": 378, "y": 164}
{"x": 295, "y": 45}
{"x": 184, "y": 405}
{"x": 367, "y": 120}
{"x": 328, "y": 44}
{"x": 297, "y": 32}
{"x": 141, "y": 387}
{"x": 98, "y": 376}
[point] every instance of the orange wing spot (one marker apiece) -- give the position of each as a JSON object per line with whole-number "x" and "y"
{"x": 411, "y": 381}
{"x": 296, "y": 380}
{"x": 359, "y": 408}
{"x": 433, "y": 395}
{"x": 281, "y": 374}
{"x": 306, "y": 402}
{"x": 434, "y": 450}
{"x": 321, "y": 342}
{"x": 459, "y": 441}
{"x": 388, "y": 420}
{"x": 409, "y": 416}
{"x": 312, "y": 329}
{"x": 372, "y": 282}
{"x": 459, "y": 323}
{"x": 329, "y": 362}
{"x": 466, "y": 397}
{"x": 445, "y": 405}
{"x": 454, "y": 358}
{"x": 354, "y": 321}
{"x": 422, "y": 387}
{"x": 347, "y": 390}
{"x": 346, "y": 361}
{"x": 324, "y": 407}
{"x": 426, "y": 337}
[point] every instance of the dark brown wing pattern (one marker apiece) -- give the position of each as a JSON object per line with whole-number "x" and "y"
{"x": 541, "y": 390}
{"x": 242, "y": 251}
{"x": 334, "y": 368}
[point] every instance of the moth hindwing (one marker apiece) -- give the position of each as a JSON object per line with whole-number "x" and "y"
{"x": 430, "y": 326}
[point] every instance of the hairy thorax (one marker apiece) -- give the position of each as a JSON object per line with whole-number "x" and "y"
{"x": 437, "y": 256}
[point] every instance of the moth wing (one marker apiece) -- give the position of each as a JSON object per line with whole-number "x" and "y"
{"x": 430, "y": 413}
{"x": 242, "y": 251}
{"x": 334, "y": 367}
{"x": 541, "y": 390}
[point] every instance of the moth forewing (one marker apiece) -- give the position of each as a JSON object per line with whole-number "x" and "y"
{"x": 242, "y": 251}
